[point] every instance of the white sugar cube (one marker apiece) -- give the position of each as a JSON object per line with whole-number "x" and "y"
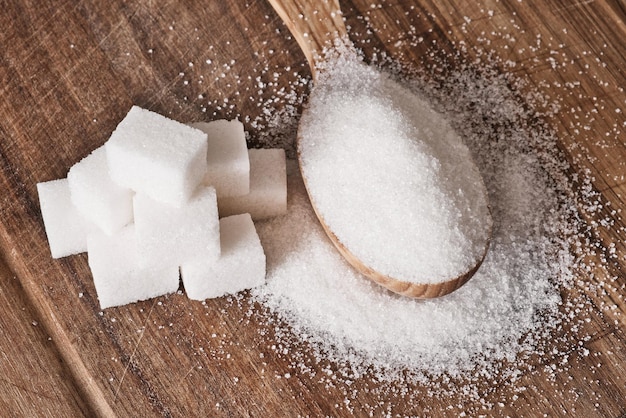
{"x": 65, "y": 227}
{"x": 228, "y": 167}
{"x": 157, "y": 156}
{"x": 268, "y": 187}
{"x": 173, "y": 235}
{"x": 96, "y": 196}
{"x": 118, "y": 277}
{"x": 241, "y": 265}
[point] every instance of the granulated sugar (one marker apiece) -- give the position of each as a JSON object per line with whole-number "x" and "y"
{"x": 390, "y": 178}
{"x": 501, "y": 315}
{"x": 324, "y": 298}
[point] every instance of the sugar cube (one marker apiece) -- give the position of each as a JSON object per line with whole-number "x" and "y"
{"x": 66, "y": 229}
{"x": 96, "y": 196}
{"x": 268, "y": 187}
{"x": 157, "y": 156}
{"x": 228, "y": 166}
{"x": 173, "y": 235}
{"x": 241, "y": 265}
{"x": 118, "y": 277}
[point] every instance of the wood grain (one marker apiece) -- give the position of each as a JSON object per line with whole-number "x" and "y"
{"x": 315, "y": 26}
{"x": 69, "y": 71}
{"x": 34, "y": 381}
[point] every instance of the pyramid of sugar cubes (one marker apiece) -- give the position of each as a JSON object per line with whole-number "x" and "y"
{"x": 162, "y": 201}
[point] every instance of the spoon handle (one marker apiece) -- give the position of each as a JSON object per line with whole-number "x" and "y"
{"x": 314, "y": 24}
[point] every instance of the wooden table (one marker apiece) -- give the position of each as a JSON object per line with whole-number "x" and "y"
{"x": 70, "y": 70}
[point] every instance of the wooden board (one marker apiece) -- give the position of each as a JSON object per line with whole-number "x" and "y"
{"x": 69, "y": 71}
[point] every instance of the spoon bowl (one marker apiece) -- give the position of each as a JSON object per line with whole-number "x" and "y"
{"x": 318, "y": 27}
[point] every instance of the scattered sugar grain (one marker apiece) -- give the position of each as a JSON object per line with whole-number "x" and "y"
{"x": 268, "y": 187}
{"x": 157, "y": 156}
{"x": 96, "y": 196}
{"x": 65, "y": 227}
{"x": 391, "y": 178}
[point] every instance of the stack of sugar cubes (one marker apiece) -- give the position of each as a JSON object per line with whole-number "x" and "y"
{"x": 145, "y": 208}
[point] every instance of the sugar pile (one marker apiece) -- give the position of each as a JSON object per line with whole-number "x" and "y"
{"x": 502, "y": 314}
{"x": 391, "y": 178}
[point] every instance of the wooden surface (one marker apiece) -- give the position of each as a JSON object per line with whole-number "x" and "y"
{"x": 70, "y": 70}
{"x": 34, "y": 381}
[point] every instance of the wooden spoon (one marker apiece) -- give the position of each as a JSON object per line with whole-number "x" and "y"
{"x": 316, "y": 26}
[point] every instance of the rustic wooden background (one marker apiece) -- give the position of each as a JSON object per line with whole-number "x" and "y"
{"x": 69, "y": 71}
